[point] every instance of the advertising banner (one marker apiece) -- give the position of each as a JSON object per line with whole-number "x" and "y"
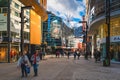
{"x": 35, "y": 28}
{"x": 56, "y": 30}
{"x": 3, "y": 22}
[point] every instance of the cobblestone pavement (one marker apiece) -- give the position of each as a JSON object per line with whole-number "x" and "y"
{"x": 64, "y": 69}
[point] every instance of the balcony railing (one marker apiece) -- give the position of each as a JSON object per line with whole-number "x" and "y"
{"x": 100, "y": 8}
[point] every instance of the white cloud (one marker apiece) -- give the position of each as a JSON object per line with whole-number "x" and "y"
{"x": 68, "y": 9}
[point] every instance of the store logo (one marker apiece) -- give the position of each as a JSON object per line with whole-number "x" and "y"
{"x": 116, "y": 38}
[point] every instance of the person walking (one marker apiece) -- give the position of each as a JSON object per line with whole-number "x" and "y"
{"x": 57, "y": 53}
{"x": 90, "y": 54}
{"x": 23, "y": 62}
{"x": 96, "y": 55}
{"x": 68, "y": 54}
{"x": 75, "y": 54}
{"x": 78, "y": 54}
{"x": 35, "y": 62}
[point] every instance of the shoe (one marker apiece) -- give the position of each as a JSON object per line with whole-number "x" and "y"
{"x": 35, "y": 75}
{"x": 22, "y": 76}
{"x": 26, "y": 75}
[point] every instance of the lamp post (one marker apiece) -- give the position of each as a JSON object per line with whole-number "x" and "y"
{"x": 86, "y": 33}
{"x": 22, "y": 27}
{"x": 106, "y": 61}
{"x": 8, "y": 31}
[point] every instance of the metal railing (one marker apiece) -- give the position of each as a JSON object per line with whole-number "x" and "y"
{"x": 100, "y": 8}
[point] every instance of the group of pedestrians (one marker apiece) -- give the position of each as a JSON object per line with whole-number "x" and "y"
{"x": 24, "y": 63}
{"x": 77, "y": 54}
{"x": 59, "y": 52}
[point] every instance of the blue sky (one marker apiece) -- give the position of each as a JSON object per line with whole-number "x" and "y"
{"x": 68, "y": 10}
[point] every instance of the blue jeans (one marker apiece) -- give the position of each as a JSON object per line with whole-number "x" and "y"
{"x": 35, "y": 67}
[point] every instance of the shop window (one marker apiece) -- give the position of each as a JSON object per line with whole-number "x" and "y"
{"x": 3, "y": 55}
{"x": 115, "y": 27}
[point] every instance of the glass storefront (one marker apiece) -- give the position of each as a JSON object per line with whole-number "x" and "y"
{"x": 3, "y": 52}
{"x": 115, "y": 51}
{"x": 114, "y": 41}
{"x": 14, "y": 53}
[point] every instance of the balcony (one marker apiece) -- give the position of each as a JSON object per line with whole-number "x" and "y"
{"x": 100, "y": 8}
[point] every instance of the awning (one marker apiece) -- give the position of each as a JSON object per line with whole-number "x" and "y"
{"x": 37, "y": 8}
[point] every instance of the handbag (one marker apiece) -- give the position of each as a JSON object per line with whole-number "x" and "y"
{"x": 28, "y": 69}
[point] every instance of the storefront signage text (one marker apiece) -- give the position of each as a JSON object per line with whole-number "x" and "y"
{"x": 116, "y": 38}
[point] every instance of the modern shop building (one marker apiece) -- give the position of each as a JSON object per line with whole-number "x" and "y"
{"x": 98, "y": 29}
{"x": 10, "y": 26}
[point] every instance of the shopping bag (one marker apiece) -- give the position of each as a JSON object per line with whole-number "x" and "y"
{"x": 28, "y": 69}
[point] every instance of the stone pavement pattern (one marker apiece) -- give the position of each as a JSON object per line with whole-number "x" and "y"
{"x": 64, "y": 69}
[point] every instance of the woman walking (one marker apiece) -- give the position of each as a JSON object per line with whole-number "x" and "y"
{"x": 23, "y": 62}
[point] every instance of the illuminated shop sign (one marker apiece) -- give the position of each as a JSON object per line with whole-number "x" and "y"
{"x": 116, "y": 38}
{"x": 112, "y": 39}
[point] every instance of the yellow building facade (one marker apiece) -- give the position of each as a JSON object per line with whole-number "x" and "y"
{"x": 37, "y": 15}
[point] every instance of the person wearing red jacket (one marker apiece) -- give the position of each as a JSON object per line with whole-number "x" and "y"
{"x": 35, "y": 62}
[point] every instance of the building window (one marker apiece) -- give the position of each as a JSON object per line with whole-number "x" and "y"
{"x": 16, "y": 6}
{"x": 3, "y": 3}
{"x": 4, "y": 33}
{"x": 38, "y": 1}
{"x": 27, "y": 12}
{"x": 16, "y": 14}
{"x": 42, "y": 2}
{"x": 4, "y": 10}
{"x": 27, "y": 26}
{"x": 16, "y": 22}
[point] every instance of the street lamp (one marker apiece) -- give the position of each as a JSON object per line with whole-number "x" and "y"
{"x": 86, "y": 36}
{"x": 22, "y": 26}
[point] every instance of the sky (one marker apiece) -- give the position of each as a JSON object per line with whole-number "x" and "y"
{"x": 71, "y": 11}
